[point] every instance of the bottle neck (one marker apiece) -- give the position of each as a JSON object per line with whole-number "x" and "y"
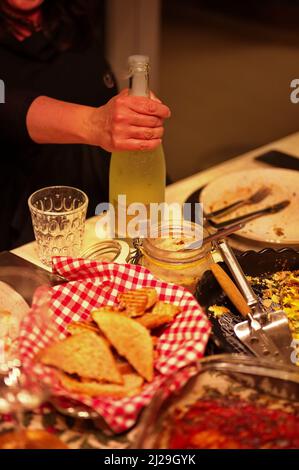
{"x": 139, "y": 82}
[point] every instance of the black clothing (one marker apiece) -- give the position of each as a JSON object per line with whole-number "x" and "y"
{"x": 29, "y": 69}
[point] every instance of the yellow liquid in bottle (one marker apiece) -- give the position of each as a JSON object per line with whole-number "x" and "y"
{"x": 140, "y": 176}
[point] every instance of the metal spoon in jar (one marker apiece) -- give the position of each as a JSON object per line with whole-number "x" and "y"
{"x": 214, "y": 236}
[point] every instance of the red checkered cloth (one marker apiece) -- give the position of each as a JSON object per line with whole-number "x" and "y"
{"x": 91, "y": 285}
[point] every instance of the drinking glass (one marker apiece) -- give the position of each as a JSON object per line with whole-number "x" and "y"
{"x": 20, "y": 391}
{"x": 58, "y": 216}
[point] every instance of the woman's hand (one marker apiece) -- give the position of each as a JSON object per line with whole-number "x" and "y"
{"x": 124, "y": 123}
{"x": 127, "y": 123}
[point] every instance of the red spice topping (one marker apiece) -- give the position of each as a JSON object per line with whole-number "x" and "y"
{"x": 228, "y": 424}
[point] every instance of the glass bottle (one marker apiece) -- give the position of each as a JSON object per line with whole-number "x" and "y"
{"x": 137, "y": 175}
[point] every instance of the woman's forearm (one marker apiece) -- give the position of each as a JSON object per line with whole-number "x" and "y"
{"x": 53, "y": 121}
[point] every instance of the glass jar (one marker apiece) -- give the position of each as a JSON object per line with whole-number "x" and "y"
{"x": 169, "y": 257}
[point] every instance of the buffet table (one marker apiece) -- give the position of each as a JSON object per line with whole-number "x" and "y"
{"x": 179, "y": 191}
{"x": 83, "y": 433}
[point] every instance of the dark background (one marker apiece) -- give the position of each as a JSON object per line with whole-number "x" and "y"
{"x": 225, "y": 71}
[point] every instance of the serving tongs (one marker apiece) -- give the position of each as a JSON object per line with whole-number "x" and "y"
{"x": 264, "y": 333}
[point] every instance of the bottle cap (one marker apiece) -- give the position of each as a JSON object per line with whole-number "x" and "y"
{"x": 137, "y": 60}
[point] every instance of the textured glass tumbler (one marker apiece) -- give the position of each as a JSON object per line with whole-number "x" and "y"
{"x": 58, "y": 216}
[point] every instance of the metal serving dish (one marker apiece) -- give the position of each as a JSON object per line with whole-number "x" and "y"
{"x": 229, "y": 375}
{"x": 208, "y": 293}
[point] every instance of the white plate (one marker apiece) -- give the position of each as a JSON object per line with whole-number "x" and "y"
{"x": 280, "y": 228}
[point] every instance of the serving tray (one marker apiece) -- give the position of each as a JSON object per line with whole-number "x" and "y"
{"x": 208, "y": 293}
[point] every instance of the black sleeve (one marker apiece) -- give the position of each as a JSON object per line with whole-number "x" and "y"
{"x": 13, "y": 114}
